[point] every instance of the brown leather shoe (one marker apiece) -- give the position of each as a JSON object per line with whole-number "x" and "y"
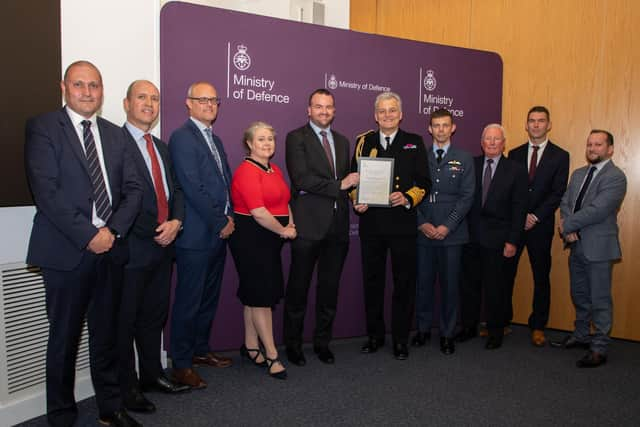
{"x": 212, "y": 359}
{"x": 188, "y": 377}
{"x": 537, "y": 338}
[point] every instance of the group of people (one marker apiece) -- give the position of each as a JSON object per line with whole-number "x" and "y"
{"x": 115, "y": 206}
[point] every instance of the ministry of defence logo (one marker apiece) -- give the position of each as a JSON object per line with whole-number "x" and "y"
{"x": 241, "y": 59}
{"x": 429, "y": 80}
{"x": 332, "y": 83}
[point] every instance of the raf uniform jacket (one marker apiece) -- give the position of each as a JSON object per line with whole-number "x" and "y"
{"x": 450, "y": 198}
{"x": 411, "y": 177}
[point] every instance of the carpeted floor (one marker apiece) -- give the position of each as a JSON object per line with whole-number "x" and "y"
{"x": 517, "y": 385}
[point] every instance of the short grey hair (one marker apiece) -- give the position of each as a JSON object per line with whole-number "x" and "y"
{"x": 386, "y": 96}
{"x": 494, "y": 126}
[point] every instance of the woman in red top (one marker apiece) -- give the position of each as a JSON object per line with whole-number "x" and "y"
{"x": 263, "y": 220}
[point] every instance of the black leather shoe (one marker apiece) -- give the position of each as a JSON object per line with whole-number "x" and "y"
{"x": 400, "y": 351}
{"x": 324, "y": 354}
{"x": 420, "y": 339}
{"x": 371, "y": 346}
{"x": 119, "y": 419}
{"x": 163, "y": 384}
{"x": 569, "y": 342}
{"x": 592, "y": 359}
{"x": 493, "y": 342}
{"x": 466, "y": 334}
{"x": 136, "y": 402}
{"x": 296, "y": 356}
{"x": 447, "y": 346}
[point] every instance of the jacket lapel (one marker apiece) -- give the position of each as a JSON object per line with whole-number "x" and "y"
{"x": 72, "y": 139}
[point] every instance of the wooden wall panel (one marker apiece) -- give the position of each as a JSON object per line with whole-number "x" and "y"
{"x": 580, "y": 58}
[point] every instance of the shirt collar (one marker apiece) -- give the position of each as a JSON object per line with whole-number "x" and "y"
{"x": 200, "y": 125}
{"x": 541, "y": 145}
{"x": 317, "y": 128}
{"x": 135, "y": 132}
{"x": 77, "y": 119}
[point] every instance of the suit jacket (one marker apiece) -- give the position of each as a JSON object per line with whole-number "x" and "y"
{"x": 59, "y": 178}
{"x": 144, "y": 250}
{"x": 205, "y": 190}
{"x": 504, "y": 213}
{"x": 450, "y": 198}
{"x": 596, "y": 221}
{"x": 549, "y": 182}
{"x": 411, "y": 177}
{"x": 314, "y": 189}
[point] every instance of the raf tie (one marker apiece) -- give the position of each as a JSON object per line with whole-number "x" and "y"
{"x": 216, "y": 156}
{"x": 486, "y": 181}
{"x": 584, "y": 188}
{"x": 387, "y": 142}
{"x": 327, "y": 151}
{"x": 534, "y": 162}
{"x": 158, "y": 184}
{"x": 100, "y": 195}
{"x": 440, "y": 152}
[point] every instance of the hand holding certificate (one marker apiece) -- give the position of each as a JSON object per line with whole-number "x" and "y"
{"x": 376, "y": 180}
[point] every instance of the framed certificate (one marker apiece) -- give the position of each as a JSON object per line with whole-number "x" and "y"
{"x": 376, "y": 180}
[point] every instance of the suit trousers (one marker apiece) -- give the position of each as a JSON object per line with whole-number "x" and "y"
{"x": 143, "y": 312}
{"x": 196, "y": 301}
{"x": 484, "y": 270}
{"x": 591, "y": 296}
{"x": 92, "y": 289}
{"x": 374, "y": 251}
{"x": 443, "y": 263}
{"x": 538, "y": 243}
{"x": 329, "y": 255}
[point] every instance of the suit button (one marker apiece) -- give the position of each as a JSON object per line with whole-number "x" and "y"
{"x": 437, "y": 179}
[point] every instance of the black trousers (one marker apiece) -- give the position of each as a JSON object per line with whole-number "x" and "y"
{"x": 403, "y": 262}
{"x": 538, "y": 243}
{"x": 484, "y": 269}
{"x": 143, "y": 313}
{"x": 328, "y": 256}
{"x": 92, "y": 289}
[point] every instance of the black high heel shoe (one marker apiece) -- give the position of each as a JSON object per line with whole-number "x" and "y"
{"x": 246, "y": 352}
{"x": 282, "y": 375}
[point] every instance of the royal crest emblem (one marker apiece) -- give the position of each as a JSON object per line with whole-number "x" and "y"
{"x": 430, "y": 80}
{"x": 241, "y": 59}
{"x": 332, "y": 83}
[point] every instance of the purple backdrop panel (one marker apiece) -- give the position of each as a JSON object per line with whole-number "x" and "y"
{"x": 265, "y": 68}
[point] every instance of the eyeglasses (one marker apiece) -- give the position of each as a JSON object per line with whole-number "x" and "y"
{"x": 204, "y": 100}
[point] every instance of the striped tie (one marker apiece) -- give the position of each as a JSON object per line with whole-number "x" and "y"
{"x": 216, "y": 156}
{"x": 100, "y": 196}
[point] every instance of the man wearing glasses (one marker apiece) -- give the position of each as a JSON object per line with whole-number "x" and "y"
{"x": 201, "y": 168}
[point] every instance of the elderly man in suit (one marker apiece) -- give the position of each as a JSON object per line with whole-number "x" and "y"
{"x": 443, "y": 231}
{"x": 147, "y": 276}
{"x": 393, "y": 227}
{"x": 548, "y": 167}
{"x": 588, "y": 225}
{"x": 201, "y": 167}
{"x": 87, "y": 194}
{"x": 318, "y": 163}
{"x": 496, "y": 224}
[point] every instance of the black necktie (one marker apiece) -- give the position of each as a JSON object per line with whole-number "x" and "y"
{"x": 100, "y": 196}
{"x": 388, "y": 144}
{"x": 486, "y": 181}
{"x": 584, "y": 188}
{"x": 440, "y": 152}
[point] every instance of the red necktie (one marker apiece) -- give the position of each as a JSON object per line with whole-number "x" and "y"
{"x": 533, "y": 163}
{"x": 161, "y": 197}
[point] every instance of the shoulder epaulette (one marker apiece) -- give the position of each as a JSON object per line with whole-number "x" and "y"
{"x": 360, "y": 141}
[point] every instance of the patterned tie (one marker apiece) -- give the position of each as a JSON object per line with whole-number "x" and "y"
{"x": 533, "y": 164}
{"x": 440, "y": 152}
{"x": 158, "y": 184}
{"x": 486, "y": 181}
{"x": 100, "y": 195}
{"x": 387, "y": 143}
{"x": 584, "y": 188}
{"x": 327, "y": 151}
{"x": 216, "y": 155}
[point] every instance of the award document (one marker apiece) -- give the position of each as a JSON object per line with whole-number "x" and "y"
{"x": 376, "y": 179}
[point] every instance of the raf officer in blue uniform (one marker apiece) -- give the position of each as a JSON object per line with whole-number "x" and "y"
{"x": 442, "y": 231}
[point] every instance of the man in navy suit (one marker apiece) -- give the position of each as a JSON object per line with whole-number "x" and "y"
{"x": 87, "y": 194}
{"x": 496, "y": 223}
{"x": 548, "y": 167}
{"x": 589, "y": 226}
{"x": 201, "y": 167}
{"x": 147, "y": 275}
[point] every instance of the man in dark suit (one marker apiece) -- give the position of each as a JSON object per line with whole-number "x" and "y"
{"x": 391, "y": 228}
{"x": 87, "y": 194}
{"x": 496, "y": 224}
{"x": 588, "y": 225}
{"x": 548, "y": 167}
{"x": 201, "y": 167}
{"x": 443, "y": 231}
{"x": 147, "y": 277}
{"x": 318, "y": 164}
